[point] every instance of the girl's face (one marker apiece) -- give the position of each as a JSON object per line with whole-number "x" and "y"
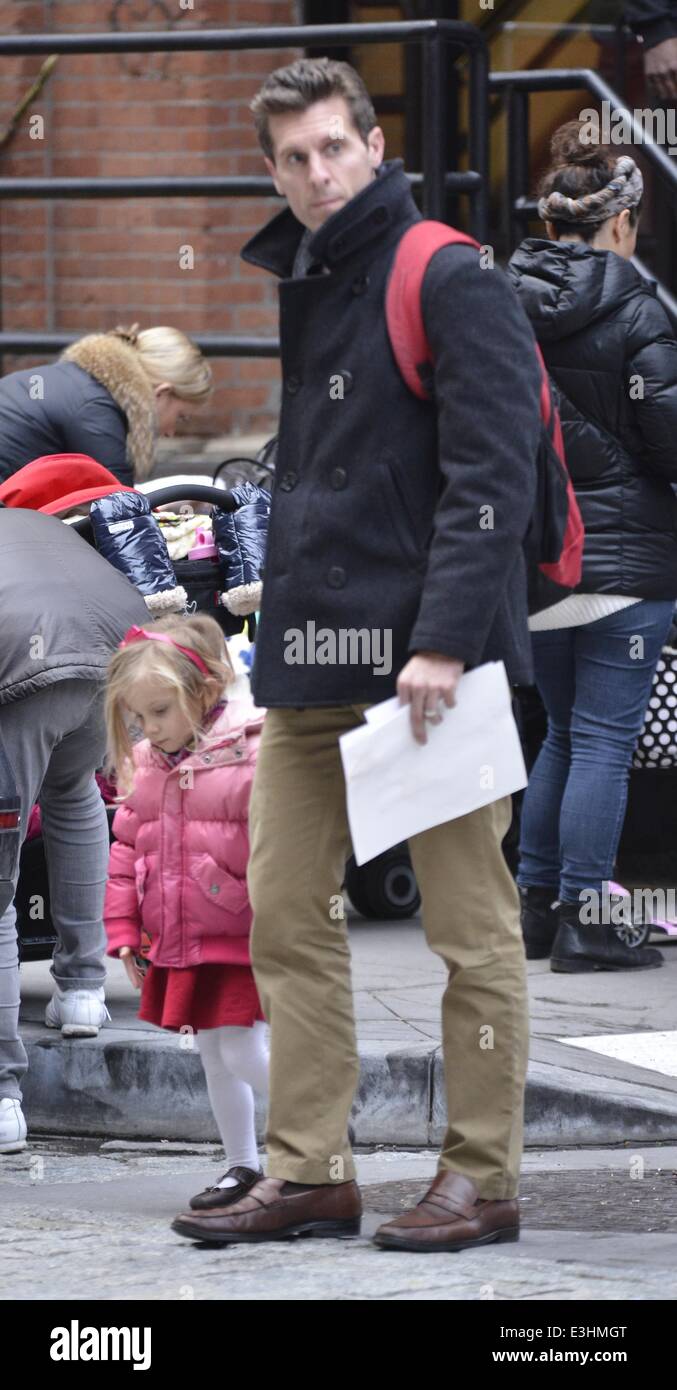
{"x": 156, "y": 710}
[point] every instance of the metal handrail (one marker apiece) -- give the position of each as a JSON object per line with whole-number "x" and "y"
{"x": 433, "y": 35}
{"x": 263, "y": 36}
{"x": 174, "y": 186}
{"x": 527, "y": 26}
{"x": 211, "y": 344}
{"x": 570, "y": 79}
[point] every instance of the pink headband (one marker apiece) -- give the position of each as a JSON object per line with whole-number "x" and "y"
{"x": 141, "y": 634}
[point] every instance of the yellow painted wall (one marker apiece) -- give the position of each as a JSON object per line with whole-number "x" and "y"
{"x": 382, "y": 66}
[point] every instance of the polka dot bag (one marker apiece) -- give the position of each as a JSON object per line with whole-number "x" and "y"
{"x": 657, "y": 743}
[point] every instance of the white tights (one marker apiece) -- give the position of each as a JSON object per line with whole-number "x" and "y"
{"x": 235, "y": 1062}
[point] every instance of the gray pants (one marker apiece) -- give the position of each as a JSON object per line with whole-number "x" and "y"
{"x": 54, "y": 740}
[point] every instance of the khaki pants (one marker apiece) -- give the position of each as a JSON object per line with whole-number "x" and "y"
{"x": 301, "y": 959}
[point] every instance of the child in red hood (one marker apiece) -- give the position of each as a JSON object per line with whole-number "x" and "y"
{"x": 58, "y": 484}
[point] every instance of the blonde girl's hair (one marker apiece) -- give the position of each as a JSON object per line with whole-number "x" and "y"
{"x": 163, "y": 662}
{"x": 167, "y": 354}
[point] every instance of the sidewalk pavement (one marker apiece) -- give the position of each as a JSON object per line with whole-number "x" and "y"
{"x": 137, "y": 1081}
{"x": 90, "y": 1219}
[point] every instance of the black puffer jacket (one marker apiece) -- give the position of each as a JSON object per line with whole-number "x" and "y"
{"x": 60, "y": 409}
{"x": 609, "y": 348}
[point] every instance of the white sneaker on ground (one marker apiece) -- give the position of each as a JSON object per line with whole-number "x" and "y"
{"x": 79, "y": 1013}
{"x": 12, "y": 1126}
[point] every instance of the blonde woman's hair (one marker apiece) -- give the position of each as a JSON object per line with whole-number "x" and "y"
{"x": 167, "y": 354}
{"x": 163, "y": 662}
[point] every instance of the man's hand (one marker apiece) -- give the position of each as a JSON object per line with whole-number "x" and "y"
{"x": 660, "y": 69}
{"x": 428, "y": 683}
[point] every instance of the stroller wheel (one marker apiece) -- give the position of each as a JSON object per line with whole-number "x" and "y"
{"x": 632, "y": 933}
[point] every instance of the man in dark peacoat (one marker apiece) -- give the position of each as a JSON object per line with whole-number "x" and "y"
{"x": 377, "y": 507}
{"x": 377, "y": 526}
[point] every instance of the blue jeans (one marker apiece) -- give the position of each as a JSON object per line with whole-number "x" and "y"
{"x": 595, "y": 683}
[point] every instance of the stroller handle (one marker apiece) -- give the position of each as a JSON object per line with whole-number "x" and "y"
{"x": 174, "y": 492}
{"x": 196, "y": 492}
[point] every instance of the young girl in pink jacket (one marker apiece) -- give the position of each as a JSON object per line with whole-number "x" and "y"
{"x": 179, "y": 863}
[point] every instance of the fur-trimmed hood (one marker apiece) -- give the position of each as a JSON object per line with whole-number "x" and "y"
{"x": 115, "y": 364}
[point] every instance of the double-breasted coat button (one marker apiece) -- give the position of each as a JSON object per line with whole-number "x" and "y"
{"x": 337, "y": 577}
{"x": 339, "y": 479}
{"x": 288, "y": 480}
{"x": 360, "y": 284}
{"x": 348, "y": 379}
{"x": 214, "y": 888}
{"x": 292, "y": 384}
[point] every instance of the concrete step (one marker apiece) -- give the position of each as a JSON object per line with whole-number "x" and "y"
{"x": 132, "y": 1084}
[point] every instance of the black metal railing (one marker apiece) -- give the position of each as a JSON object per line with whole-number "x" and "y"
{"x": 517, "y": 87}
{"x": 618, "y": 38}
{"x": 433, "y": 36}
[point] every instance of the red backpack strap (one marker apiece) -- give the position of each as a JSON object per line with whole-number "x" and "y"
{"x": 406, "y": 330}
{"x": 403, "y": 296}
{"x": 546, "y": 398}
{"x": 566, "y": 571}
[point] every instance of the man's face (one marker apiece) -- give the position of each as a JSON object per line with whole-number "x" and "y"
{"x": 321, "y": 160}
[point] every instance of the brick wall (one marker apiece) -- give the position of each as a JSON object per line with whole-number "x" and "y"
{"x": 84, "y": 266}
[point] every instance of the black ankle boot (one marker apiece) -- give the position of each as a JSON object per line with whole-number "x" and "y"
{"x": 578, "y": 947}
{"x": 539, "y": 921}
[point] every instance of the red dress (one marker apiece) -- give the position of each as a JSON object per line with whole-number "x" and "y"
{"x": 200, "y": 996}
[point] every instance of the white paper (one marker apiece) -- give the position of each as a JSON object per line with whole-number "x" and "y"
{"x": 380, "y": 714}
{"x": 397, "y": 787}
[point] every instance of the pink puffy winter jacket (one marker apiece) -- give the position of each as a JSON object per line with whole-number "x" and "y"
{"x": 179, "y": 862}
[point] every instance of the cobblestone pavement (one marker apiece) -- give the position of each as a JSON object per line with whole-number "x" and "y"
{"x": 82, "y": 1220}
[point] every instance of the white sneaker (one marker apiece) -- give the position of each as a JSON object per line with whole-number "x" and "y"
{"x": 79, "y": 1013}
{"x": 12, "y": 1126}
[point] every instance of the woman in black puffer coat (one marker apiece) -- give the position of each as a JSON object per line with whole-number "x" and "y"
{"x": 612, "y": 354}
{"x": 108, "y": 396}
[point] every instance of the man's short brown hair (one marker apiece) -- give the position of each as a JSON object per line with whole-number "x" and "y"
{"x": 300, "y": 84}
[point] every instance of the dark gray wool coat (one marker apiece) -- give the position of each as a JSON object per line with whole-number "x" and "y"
{"x": 376, "y": 516}
{"x": 64, "y": 608}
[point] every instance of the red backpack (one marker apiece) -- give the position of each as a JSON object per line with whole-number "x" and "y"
{"x": 554, "y": 542}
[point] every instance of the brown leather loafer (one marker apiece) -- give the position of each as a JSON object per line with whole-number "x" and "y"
{"x": 224, "y": 1196}
{"x": 451, "y": 1216}
{"x": 277, "y": 1210}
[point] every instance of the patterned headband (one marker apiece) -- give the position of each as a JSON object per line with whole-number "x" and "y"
{"x": 624, "y": 191}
